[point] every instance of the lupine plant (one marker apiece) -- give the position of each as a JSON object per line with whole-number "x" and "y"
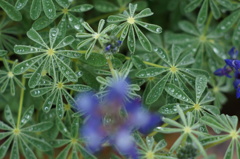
{"x": 117, "y": 79}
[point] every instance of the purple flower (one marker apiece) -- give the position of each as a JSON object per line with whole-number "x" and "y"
{"x": 113, "y": 119}
{"x": 233, "y": 63}
{"x": 233, "y": 53}
{"x": 223, "y": 71}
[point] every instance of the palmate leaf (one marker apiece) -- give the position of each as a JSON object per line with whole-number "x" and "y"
{"x": 8, "y": 77}
{"x": 93, "y": 36}
{"x": 226, "y": 124}
{"x": 49, "y": 56}
{"x": 68, "y": 17}
{"x": 174, "y": 71}
{"x": 57, "y": 92}
{"x": 72, "y": 143}
{"x": 204, "y": 46}
{"x": 188, "y": 128}
{"x": 129, "y": 26}
{"x": 199, "y": 104}
{"x": 21, "y": 137}
{"x": 13, "y": 13}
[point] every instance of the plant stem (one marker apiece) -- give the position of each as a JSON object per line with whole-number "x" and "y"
{"x": 148, "y": 63}
{"x": 208, "y": 23}
{"x": 21, "y": 102}
{"x": 110, "y": 66}
{"x": 9, "y": 61}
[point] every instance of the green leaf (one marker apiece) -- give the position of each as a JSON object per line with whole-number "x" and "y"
{"x": 59, "y": 106}
{"x": 62, "y": 128}
{"x": 3, "y": 52}
{"x": 124, "y": 32}
{"x": 34, "y": 36}
{"x": 95, "y": 59}
{"x": 229, "y": 152}
{"x": 131, "y": 40}
{"x": 143, "y": 39}
{"x": 157, "y": 90}
{"x": 27, "y": 116}
{"x": 105, "y": 6}
{"x": 215, "y": 10}
{"x": 49, "y": 8}
{"x": 20, "y": 4}
{"x": 116, "y": 18}
{"x": 168, "y": 130}
{"x": 36, "y": 76}
{"x": 23, "y": 49}
{"x": 35, "y": 9}
{"x": 75, "y": 23}
{"x": 5, "y": 146}
{"x": 138, "y": 63}
{"x": 85, "y": 153}
{"x": 175, "y": 52}
{"x": 200, "y": 86}
{"x": 70, "y": 53}
{"x": 15, "y": 150}
{"x": 27, "y": 64}
{"x": 4, "y": 126}
{"x": 202, "y": 15}
{"x": 132, "y": 8}
{"x": 228, "y": 4}
{"x": 68, "y": 40}
{"x": 42, "y": 22}
{"x": 49, "y": 102}
{"x": 43, "y": 126}
{"x": 213, "y": 139}
{"x": 210, "y": 121}
{"x": 150, "y": 27}
{"x": 192, "y": 5}
{"x": 8, "y": 116}
{"x": 63, "y": 3}
{"x": 38, "y": 143}
{"x": 53, "y": 33}
{"x": 150, "y": 72}
{"x": 82, "y": 8}
{"x": 162, "y": 54}
{"x": 78, "y": 87}
{"x": 144, "y": 13}
{"x": 10, "y": 10}
{"x": 66, "y": 70}
{"x": 89, "y": 50}
{"x": 27, "y": 151}
{"x": 178, "y": 93}
{"x": 64, "y": 153}
{"x": 87, "y": 27}
{"x": 75, "y": 128}
{"x": 228, "y": 22}
{"x": 236, "y": 35}
{"x": 172, "y": 108}
{"x": 188, "y": 27}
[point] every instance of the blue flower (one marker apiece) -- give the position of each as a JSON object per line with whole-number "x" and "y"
{"x": 233, "y": 63}
{"x": 112, "y": 119}
{"x": 223, "y": 71}
{"x": 233, "y": 52}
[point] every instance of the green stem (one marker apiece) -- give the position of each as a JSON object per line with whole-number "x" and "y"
{"x": 208, "y": 23}
{"x": 9, "y": 61}
{"x": 111, "y": 66}
{"x": 148, "y": 63}
{"x": 21, "y": 102}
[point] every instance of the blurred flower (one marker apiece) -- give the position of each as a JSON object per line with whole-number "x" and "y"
{"x": 113, "y": 119}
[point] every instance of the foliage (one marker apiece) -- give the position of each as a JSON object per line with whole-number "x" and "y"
{"x": 135, "y": 61}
